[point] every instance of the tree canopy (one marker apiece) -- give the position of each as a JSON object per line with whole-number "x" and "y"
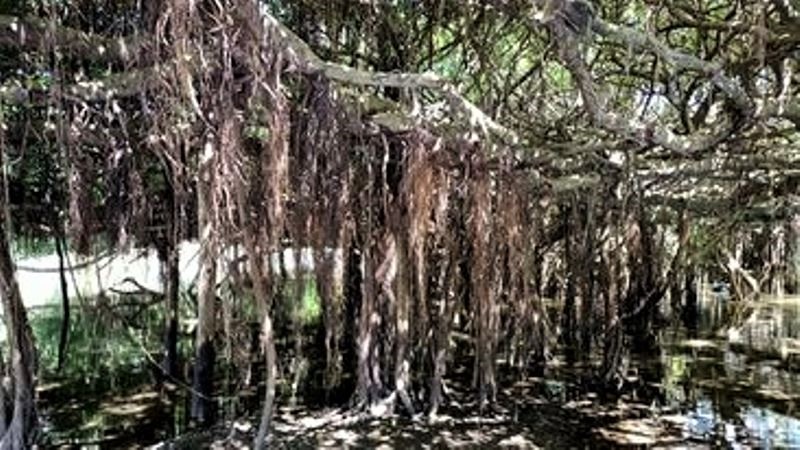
{"x": 452, "y": 165}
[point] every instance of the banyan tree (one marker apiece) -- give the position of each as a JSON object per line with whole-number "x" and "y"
{"x": 452, "y": 170}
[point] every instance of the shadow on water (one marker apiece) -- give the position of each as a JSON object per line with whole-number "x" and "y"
{"x": 732, "y": 380}
{"x": 80, "y": 416}
{"x": 745, "y": 388}
{"x": 104, "y": 396}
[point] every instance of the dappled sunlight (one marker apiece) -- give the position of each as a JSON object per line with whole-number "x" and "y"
{"x": 636, "y": 432}
{"x": 754, "y": 394}
{"x": 301, "y": 224}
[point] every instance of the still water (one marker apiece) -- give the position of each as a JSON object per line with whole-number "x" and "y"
{"x": 732, "y": 380}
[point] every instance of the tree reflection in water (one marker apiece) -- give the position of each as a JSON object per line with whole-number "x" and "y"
{"x": 727, "y": 384}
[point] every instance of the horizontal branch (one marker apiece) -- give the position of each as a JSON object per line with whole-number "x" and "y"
{"x": 33, "y": 33}
{"x": 570, "y": 54}
{"x": 306, "y": 61}
{"x": 636, "y": 40}
{"x": 117, "y": 85}
{"x": 720, "y": 207}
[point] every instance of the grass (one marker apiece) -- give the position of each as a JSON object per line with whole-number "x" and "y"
{"x": 27, "y": 247}
{"x": 311, "y": 310}
{"x": 98, "y": 345}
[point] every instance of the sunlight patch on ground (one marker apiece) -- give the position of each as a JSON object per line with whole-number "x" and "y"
{"x": 49, "y": 386}
{"x": 634, "y": 432}
{"x": 135, "y": 406}
{"x": 786, "y": 300}
{"x": 699, "y": 344}
{"x": 127, "y": 409}
{"x": 517, "y": 441}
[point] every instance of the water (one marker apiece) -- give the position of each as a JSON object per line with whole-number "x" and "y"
{"x": 732, "y": 382}
{"x": 105, "y": 395}
{"x": 730, "y": 399}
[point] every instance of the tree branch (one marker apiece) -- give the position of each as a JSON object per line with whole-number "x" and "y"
{"x": 117, "y": 85}
{"x": 31, "y": 33}
{"x": 567, "y": 43}
{"x": 640, "y": 41}
{"x": 306, "y": 61}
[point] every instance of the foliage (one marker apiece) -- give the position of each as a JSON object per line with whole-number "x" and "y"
{"x": 99, "y": 344}
{"x": 447, "y": 164}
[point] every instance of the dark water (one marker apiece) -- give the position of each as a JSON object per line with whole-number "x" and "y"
{"x": 732, "y": 382}
{"x": 104, "y": 396}
{"x": 737, "y": 383}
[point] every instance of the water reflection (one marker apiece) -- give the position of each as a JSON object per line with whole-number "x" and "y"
{"x": 730, "y": 380}
{"x": 734, "y": 385}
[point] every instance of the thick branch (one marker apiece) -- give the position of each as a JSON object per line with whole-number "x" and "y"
{"x": 33, "y": 33}
{"x": 640, "y": 41}
{"x": 569, "y": 52}
{"x": 122, "y": 84}
{"x": 306, "y": 61}
{"x": 716, "y": 207}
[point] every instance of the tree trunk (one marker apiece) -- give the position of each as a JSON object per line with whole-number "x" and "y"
{"x": 203, "y": 377}
{"x": 484, "y": 308}
{"x": 262, "y": 290}
{"x": 402, "y": 369}
{"x": 260, "y": 275}
{"x": 793, "y": 256}
{"x": 268, "y": 342}
{"x": 568, "y": 320}
{"x": 677, "y": 272}
{"x": 587, "y": 280}
{"x": 169, "y": 258}
{"x": 613, "y": 256}
{"x": 369, "y": 386}
{"x": 689, "y": 309}
{"x": 444, "y": 319}
{"x": 369, "y": 373}
{"x": 4, "y": 419}
{"x": 330, "y": 286}
{"x": 63, "y": 337}
{"x": 171, "y": 277}
{"x": 182, "y": 22}
{"x": 777, "y": 260}
{"x": 19, "y": 432}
